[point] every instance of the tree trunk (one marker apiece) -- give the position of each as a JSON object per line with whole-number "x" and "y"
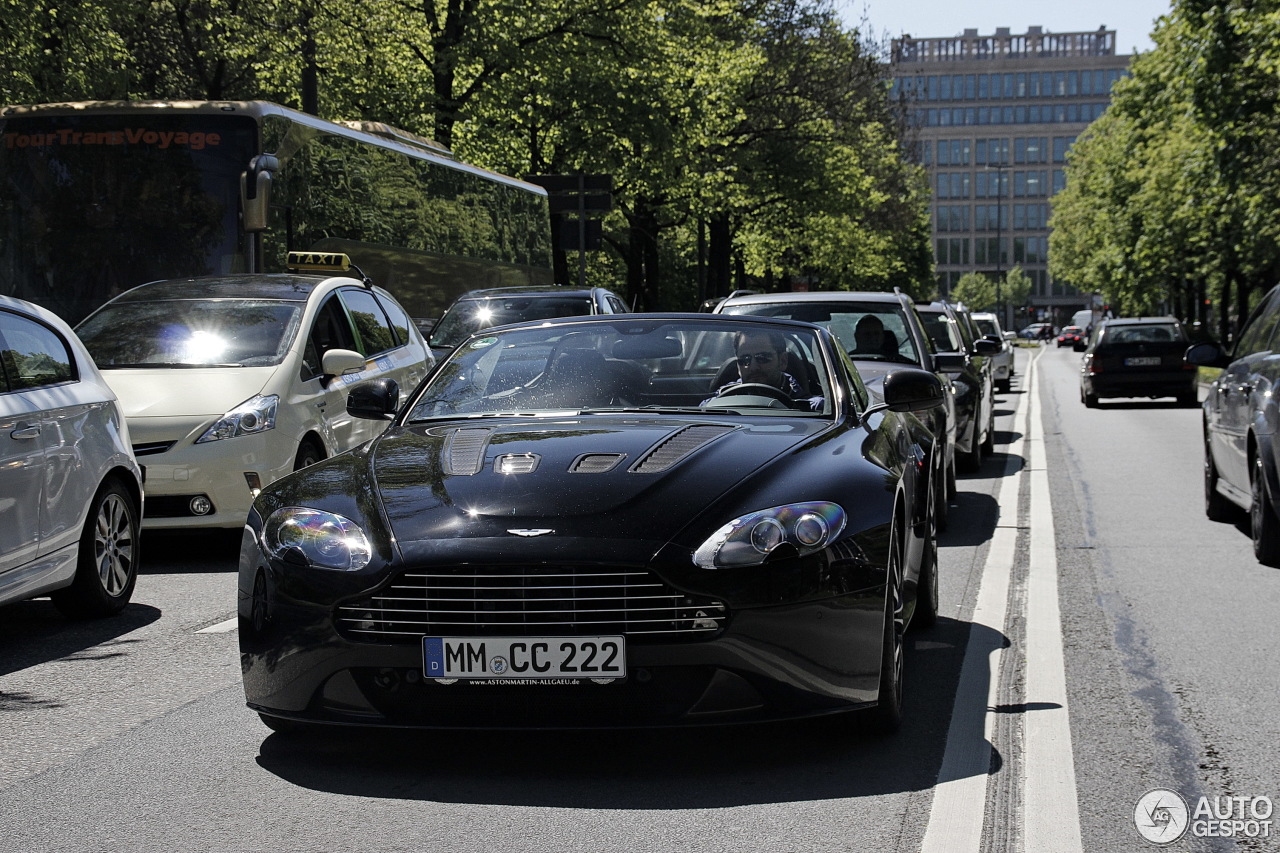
{"x": 719, "y": 261}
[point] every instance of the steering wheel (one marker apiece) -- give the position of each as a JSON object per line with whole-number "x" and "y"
{"x": 755, "y": 389}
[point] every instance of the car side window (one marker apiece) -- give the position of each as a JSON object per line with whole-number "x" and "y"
{"x": 1257, "y": 333}
{"x": 331, "y": 330}
{"x": 32, "y": 354}
{"x": 616, "y": 305}
{"x": 399, "y": 319}
{"x": 372, "y": 327}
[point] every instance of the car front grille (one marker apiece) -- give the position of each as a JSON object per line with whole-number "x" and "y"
{"x": 467, "y": 601}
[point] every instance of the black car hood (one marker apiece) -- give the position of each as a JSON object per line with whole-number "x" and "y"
{"x": 595, "y": 477}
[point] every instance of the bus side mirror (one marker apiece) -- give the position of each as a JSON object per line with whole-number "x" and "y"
{"x": 255, "y": 191}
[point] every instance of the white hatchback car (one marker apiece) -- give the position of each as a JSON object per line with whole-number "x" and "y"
{"x": 1002, "y": 362}
{"x": 70, "y": 488}
{"x": 231, "y": 382}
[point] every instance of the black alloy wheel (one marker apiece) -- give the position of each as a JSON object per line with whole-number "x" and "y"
{"x": 1264, "y": 525}
{"x": 886, "y": 717}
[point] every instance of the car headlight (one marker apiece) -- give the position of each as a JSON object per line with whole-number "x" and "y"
{"x": 255, "y": 415}
{"x": 326, "y": 540}
{"x": 749, "y": 540}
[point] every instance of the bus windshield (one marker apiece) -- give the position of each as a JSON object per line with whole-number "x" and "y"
{"x": 91, "y": 205}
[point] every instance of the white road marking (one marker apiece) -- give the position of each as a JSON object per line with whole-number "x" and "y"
{"x": 222, "y": 627}
{"x": 1050, "y": 809}
{"x": 959, "y": 798}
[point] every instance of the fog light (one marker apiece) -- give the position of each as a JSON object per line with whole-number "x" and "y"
{"x": 254, "y": 482}
{"x": 200, "y": 505}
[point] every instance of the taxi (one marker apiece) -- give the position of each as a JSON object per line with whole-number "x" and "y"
{"x": 230, "y": 382}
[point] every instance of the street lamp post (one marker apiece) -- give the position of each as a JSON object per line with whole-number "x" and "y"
{"x": 999, "y": 167}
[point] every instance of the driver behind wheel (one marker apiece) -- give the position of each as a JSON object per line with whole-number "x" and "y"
{"x": 762, "y": 358}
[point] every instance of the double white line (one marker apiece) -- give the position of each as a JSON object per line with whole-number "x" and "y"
{"x": 1050, "y": 812}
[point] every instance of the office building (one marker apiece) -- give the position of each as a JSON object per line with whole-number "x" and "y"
{"x": 994, "y": 116}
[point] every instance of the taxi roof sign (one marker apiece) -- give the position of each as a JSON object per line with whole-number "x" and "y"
{"x": 326, "y": 261}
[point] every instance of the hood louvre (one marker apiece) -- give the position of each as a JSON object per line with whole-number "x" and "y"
{"x": 677, "y": 446}
{"x": 595, "y": 463}
{"x": 464, "y": 451}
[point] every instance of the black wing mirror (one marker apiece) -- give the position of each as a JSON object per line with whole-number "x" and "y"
{"x": 374, "y": 401}
{"x": 1207, "y": 354}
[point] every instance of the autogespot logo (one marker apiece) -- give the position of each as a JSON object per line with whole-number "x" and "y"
{"x": 1161, "y": 816}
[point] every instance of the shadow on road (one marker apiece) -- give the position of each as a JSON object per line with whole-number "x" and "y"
{"x": 34, "y": 632}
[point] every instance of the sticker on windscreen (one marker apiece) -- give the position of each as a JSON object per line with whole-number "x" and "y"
{"x": 483, "y": 342}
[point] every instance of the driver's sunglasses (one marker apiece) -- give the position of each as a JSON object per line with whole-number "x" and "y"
{"x": 760, "y": 357}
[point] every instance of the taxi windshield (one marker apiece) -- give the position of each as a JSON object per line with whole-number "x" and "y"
{"x": 632, "y": 365}
{"x": 190, "y": 333}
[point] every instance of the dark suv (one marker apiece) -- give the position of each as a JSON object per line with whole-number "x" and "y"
{"x": 497, "y": 306}
{"x": 1241, "y": 443}
{"x": 967, "y": 357}
{"x": 900, "y": 340}
{"x": 1138, "y": 357}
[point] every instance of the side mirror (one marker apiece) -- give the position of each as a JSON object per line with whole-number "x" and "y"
{"x": 986, "y": 346}
{"x": 911, "y": 390}
{"x": 1010, "y": 336}
{"x": 950, "y": 362}
{"x": 255, "y": 191}
{"x": 1207, "y": 354}
{"x": 374, "y": 401}
{"x": 336, "y": 362}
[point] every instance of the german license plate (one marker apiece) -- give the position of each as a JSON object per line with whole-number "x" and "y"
{"x": 1142, "y": 361}
{"x": 524, "y": 658}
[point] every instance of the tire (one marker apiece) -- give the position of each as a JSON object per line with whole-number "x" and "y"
{"x": 886, "y": 717}
{"x": 1190, "y": 400}
{"x": 1216, "y": 507}
{"x": 309, "y": 453}
{"x": 926, "y": 612}
{"x": 1090, "y": 400}
{"x": 941, "y": 506}
{"x": 1004, "y": 386}
{"x": 1264, "y": 525}
{"x": 107, "y": 562}
{"x": 952, "y": 488}
{"x": 971, "y": 459}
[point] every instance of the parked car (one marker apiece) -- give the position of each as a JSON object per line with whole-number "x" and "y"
{"x": 1240, "y": 440}
{"x": 966, "y": 357}
{"x": 497, "y": 306}
{"x": 901, "y": 340}
{"x": 1072, "y": 336}
{"x": 231, "y": 382}
{"x": 562, "y": 505}
{"x": 1002, "y": 362}
{"x": 1138, "y": 357}
{"x": 71, "y": 490}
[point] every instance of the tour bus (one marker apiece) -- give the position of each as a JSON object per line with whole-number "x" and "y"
{"x": 97, "y": 197}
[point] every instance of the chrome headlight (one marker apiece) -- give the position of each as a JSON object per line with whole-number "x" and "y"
{"x": 255, "y": 415}
{"x": 328, "y": 541}
{"x": 749, "y": 540}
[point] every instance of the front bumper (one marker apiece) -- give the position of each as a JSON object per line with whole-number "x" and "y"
{"x": 767, "y": 662}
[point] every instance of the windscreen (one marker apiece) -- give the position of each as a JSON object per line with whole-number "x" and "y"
{"x": 190, "y": 333}
{"x": 471, "y": 315}
{"x": 634, "y": 366}
{"x": 92, "y": 205}
{"x": 869, "y": 331}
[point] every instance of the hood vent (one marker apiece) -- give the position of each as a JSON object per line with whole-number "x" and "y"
{"x": 464, "y": 451}
{"x": 677, "y": 446}
{"x": 516, "y": 463}
{"x": 595, "y": 463}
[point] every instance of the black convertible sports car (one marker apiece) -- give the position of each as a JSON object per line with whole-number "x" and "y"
{"x": 565, "y": 527}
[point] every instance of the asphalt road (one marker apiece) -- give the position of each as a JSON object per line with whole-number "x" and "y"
{"x": 1159, "y": 672}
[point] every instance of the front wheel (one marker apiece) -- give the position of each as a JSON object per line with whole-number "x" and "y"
{"x": 309, "y": 453}
{"x": 886, "y": 717}
{"x": 107, "y": 562}
{"x": 1264, "y": 525}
